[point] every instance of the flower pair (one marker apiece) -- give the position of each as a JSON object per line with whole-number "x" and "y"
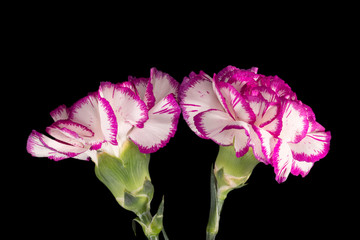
{"x": 254, "y": 118}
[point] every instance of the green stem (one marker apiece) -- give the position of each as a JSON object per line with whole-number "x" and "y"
{"x": 216, "y": 205}
{"x": 230, "y": 173}
{"x": 214, "y": 219}
{"x": 154, "y": 237}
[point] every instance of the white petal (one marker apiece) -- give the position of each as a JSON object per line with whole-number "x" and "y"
{"x": 127, "y": 106}
{"x": 311, "y": 148}
{"x": 241, "y": 142}
{"x": 160, "y": 126}
{"x": 233, "y": 102}
{"x": 263, "y": 144}
{"x": 60, "y": 113}
{"x": 222, "y": 129}
{"x": 86, "y": 112}
{"x": 79, "y": 129}
{"x": 140, "y": 85}
{"x": 161, "y": 84}
{"x": 108, "y": 121}
{"x": 197, "y": 95}
{"x": 299, "y": 167}
{"x": 294, "y": 122}
{"x": 65, "y": 135}
{"x": 211, "y": 124}
{"x": 282, "y": 161}
{"x": 39, "y": 145}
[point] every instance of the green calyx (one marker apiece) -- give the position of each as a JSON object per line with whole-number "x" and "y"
{"x": 127, "y": 177}
{"x": 232, "y": 172}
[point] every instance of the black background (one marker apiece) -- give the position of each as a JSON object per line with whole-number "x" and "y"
{"x": 55, "y": 62}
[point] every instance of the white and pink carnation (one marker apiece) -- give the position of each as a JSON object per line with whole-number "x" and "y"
{"x": 144, "y": 110}
{"x": 246, "y": 109}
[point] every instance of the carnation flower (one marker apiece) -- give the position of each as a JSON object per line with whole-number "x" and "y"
{"x": 144, "y": 110}
{"x": 117, "y": 127}
{"x": 245, "y": 109}
{"x": 254, "y": 118}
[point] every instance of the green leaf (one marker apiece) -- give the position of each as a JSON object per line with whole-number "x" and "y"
{"x": 157, "y": 221}
{"x": 133, "y": 225}
{"x": 143, "y": 225}
{"x": 164, "y": 234}
{"x": 214, "y": 214}
{"x": 213, "y": 189}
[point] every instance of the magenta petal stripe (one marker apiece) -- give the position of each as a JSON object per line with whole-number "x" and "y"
{"x": 39, "y": 145}
{"x": 302, "y": 168}
{"x": 60, "y": 113}
{"x": 81, "y": 130}
{"x": 312, "y": 148}
{"x": 108, "y": 121}
{"x": 282, "y": 161}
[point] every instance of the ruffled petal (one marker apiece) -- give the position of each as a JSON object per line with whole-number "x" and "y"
{"x": 282, "y": 161}
{"x": 60, "y": 113}
{"x": 86, "y": 112}
{"x": 277, "y": 85}
{"x": 160, "y": 126}
{"x": 312, "y": 148}
{"x": 128, "y": 85}
{"x": 274, "y": 126}
{"x": 299, "y": 167}
{"x": 262, "y": 143}
{"x": 219, "y": 127}
{"x": 264, "y": 111}
{"x": 212, "y": 125}
{"x": 266, "y": 93}
{"x": 108, "y": 121}
{"x": 294, "y": 122}
{"x": 37, "y": 149}
{"x": 241, "y": 141}
{"x": 39, "y": 145}
{"x": 197, "y": 95}
{"x": 127, "y": 106}
{"x": 232, "y": 74}
{"x": 225, "y": 74}
{"x": 232, "y": 101}
{"x": 223, "y": 91}
{"x": 65, "y": 135}
{"x": 160, "y": 85}
{"x": 140, "y": 85}
{"x": 79, "y": 129}
{"x": 240, "y": 79}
